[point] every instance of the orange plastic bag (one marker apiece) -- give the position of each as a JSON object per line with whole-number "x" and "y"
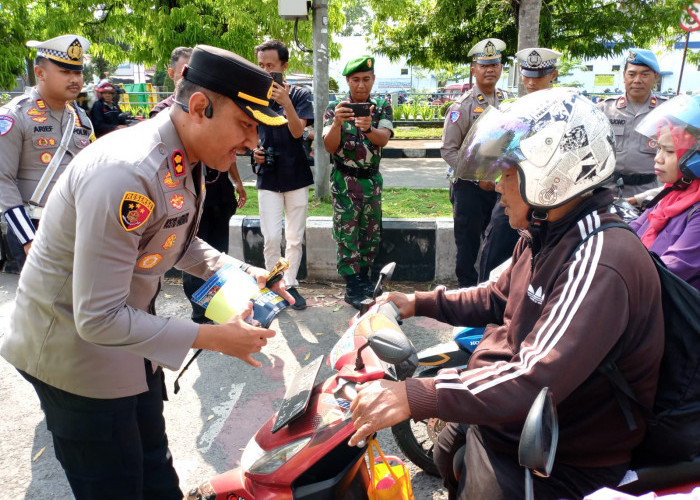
{"x": 389, "y": 477}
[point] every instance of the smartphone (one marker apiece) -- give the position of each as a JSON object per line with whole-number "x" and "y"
{"x": 277, "y": 77}
{"x": 359, "y": 108}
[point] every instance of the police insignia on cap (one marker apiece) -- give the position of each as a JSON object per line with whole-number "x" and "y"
{"x": 66, "y": 51}
{"x": 490, "y": 49}
{"x": 134, "y": 210}
{"x": 75, "y": 51}
{"x": 534, "y": 59}
{"x": 632, "y": 55}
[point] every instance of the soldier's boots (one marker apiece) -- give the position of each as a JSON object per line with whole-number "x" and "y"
{"x": 367, "y": 285}
{"x": 354, "y": 293}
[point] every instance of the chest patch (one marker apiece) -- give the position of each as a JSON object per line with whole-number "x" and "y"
{"x": 45, "y": 158}
{"x": 135, "y": 209}
{"x": 40, "y": 119}
{"x": 6, "y": 123}
{"x": 537, "y": 296}
{"x": 150, "y": 261}
{"x": 454, "y": 116}
{"x": 36, "y": 112}
{"x": 169, "y": 182}
{"x": 177, "y": 201}
{"x": 45, "y": 142}
{"x": 169, "y": 242}
{"x": 478, "y": 110}
{"x": 44, "y": 128}
{"x": 180, "y": 220}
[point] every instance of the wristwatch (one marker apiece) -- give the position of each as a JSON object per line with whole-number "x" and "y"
{"x": 305, "y": 135}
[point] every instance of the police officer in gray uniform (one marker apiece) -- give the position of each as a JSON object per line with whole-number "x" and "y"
{"x": 471, "y": 202}
{"x": 40, "y": 133}
{"x": 635, "y": 152}
{"x": 84, "y": 330}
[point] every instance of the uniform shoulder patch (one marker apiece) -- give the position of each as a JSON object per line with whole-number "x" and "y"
{"x": 454, "y": 116}
{"x": 6, "y": 123}
{"x": 178, "y": 163}
{"x": 135, "y": 209}
{"x": 478, "y": 110}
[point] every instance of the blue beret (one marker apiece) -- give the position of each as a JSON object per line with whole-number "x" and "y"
{"x": 643, "y": 57}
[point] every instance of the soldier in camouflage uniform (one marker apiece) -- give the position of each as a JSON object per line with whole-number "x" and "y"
{"x": 355, "y": 143}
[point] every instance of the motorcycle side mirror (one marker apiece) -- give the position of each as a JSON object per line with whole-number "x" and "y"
{"x": 538, "y": 440}
{"x": 391, "y": 346}
{"x": 385, "y": 274}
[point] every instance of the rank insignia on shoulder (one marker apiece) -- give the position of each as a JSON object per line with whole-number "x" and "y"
{"x": 169, "y": 182}
{"x": 40, "y": 104}
{"x": 499, "y": 94}
{"x": 6, "y": 123}
{"x": 46, "y": 157}
{"x": 36, "y": 112}
{"x": 40, "y": 119}
{"x": 454, "y": 116}
{"x": 135, "y": 209}
{"x": 150, "y": 261}
{"x": 178, "y": 163}
{"x": 169, "y": 242}
{"x": 480, "y": 98}
{"x": 653, "y": 102}
{"x": 177, "y": 201}
{"x": 621, "y": 102}
{"x": 478, "y": 110}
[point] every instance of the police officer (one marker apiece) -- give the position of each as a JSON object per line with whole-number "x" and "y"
{"x": 471, "y": 202}
{"x": 40, "y": 133}
{"x": 635, "y": 152}
{"x": 538, "y": 69}
{"x": 85, "y": 333}
{"x": 355, "y": 144}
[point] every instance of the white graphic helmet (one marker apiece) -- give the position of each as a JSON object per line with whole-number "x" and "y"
{"x": 562, "y": 145}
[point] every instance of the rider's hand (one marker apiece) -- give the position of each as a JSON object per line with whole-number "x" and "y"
{"x": 406, "y": 303}
{"x": 235, "y": 338}
{"x": 378, "y": 405}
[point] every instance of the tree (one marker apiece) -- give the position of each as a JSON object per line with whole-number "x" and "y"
{"x": 439, "y": 33}
{"x": 146, "y": 31}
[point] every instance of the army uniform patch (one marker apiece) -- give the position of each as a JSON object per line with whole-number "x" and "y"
{"x": 135, "y": 209}
{"x": 46, "y": 158}
{"x": 177, "y": 201}
{"x": 169, "y": 242}
{"x": 454, "y": 116}
{"x": 6, "y": 123}
{"x": 40, "y": 119}
{"x": 150, "y": 261}
{"x": 178, "y": 163}
{"x": 169, "y": 182}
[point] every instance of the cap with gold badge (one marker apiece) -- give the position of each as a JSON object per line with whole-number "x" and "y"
{"x": 643, "y": 57}
{"x": 67, "y": 51}
{"x": 537, "y": 61}
{"x": 362, "y": 63}
{"x": 231, "y": 75}
{"x": 487, "y": 51}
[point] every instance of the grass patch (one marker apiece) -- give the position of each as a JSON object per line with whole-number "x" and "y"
{"x": 417, "y": 133}
{"x": 396, "y": 202}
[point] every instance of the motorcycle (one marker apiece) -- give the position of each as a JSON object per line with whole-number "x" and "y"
{"x": 302, "y": 452}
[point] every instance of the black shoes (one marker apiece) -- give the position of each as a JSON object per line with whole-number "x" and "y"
{"x": 354, "y": 292}
{"x": 367, "y": 285}
{"x": 299, "y": 301}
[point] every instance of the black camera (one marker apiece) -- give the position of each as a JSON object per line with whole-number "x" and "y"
{"x": 270, "y": 156}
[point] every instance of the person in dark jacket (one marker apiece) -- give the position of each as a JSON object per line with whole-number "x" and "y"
{"x": 551, "y": 318}
{"x": 106, "y": 116}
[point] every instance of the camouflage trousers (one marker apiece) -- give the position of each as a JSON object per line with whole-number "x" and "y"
{"x": 357, "y": 220}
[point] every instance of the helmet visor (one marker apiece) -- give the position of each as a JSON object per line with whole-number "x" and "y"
{"x": 682, "y": 111}
{"x": 491, "y": 145}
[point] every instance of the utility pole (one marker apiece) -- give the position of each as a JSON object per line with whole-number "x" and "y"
{"x": 320, "y": 67}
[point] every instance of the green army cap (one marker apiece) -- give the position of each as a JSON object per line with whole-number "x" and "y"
{"x": 362, "y": 63}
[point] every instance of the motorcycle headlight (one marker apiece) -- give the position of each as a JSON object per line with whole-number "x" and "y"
{"x": 258, "y": 461}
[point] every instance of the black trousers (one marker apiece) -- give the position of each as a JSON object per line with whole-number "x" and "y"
{"x": 498, "y": 476}
{"x": 499, "y": 241}
{"x": 17, "y": 257}
{"x": 112, "y": 448}
{"x": 219, "y": 207}
{"x": 471, "y": 210}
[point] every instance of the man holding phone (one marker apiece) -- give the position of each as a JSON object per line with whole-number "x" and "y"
{"x": 284, "y": 175}
{"x": 354, "y": 132}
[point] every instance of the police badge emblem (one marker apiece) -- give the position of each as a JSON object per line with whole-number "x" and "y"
{"x": 135, "y": 209}
{"x": 454, "y": 116}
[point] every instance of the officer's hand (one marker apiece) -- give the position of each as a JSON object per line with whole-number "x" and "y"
{"x": 279, "y": 288}
{"x": 242, "y": 195}
{"x": 259, "y": 155}
{"x": 235, "y": 338}
{"x": 632, "y": 201}
{"x": 280, "y": 94}
{"x": 27, "y": 247}
{"x": 364, "y": 122}
{"x": 406, "y": 304}
{"x": 342, "y": 114}
{"x": 378, "y": 405}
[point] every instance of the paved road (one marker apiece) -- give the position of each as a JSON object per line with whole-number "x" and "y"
{"x": 221, "y": 404}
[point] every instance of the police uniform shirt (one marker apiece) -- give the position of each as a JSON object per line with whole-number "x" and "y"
{"x": 124, "y": 213}
{"x": 635, "y": 152}
{"x": 30, "y": 133}
{"x": 459, "y": 119}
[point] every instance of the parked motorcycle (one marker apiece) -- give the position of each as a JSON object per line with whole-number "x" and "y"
{"x": 302, "y": 452}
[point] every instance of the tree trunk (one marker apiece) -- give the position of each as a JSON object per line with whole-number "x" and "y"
{"x": 30, "y": 71}
{"x": 528, "y": 32}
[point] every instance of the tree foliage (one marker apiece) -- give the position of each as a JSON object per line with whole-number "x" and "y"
{"x": 146, "y": 31}
{"x": 439, "y": 33}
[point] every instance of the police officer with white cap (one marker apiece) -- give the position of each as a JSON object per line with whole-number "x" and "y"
{"x": 635, "y": 152}
{"x": 538, "y": 68}
{"x": 84, "y": 329}
{"x": 40, "y": 133}
{"x": 471, "y": 202}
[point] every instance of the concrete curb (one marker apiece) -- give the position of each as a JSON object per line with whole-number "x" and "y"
{"x": 423, "y": 249}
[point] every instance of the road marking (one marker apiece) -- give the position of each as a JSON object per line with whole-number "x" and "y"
{"x": 221, "y": 414}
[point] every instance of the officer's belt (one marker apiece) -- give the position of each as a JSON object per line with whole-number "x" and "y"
{"x": 360, "y": 173}
{"x": 634, "y": 179}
